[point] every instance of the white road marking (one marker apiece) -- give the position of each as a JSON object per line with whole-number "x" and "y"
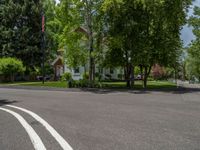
{"x": 35, "y": 139}
{"x": 51, "y": 130}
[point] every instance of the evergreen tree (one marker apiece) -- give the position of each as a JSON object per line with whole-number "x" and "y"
{"x": 21, "y": 30}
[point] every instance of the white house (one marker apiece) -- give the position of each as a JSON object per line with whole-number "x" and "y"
{"x": 61, "y": 67}
{"x": 77, "y": 73}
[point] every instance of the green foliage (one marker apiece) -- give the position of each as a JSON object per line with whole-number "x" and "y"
{"x": 67, "y": 76}
{"x": 120, "y": 76}
{"x": 85, "y": 84}
{"x": 52, "y": 29}
{"x": 85, "y": 76}
{"x": 81, "y": 28}
{"x": 10, "y": 66}
{"x": 20, "y": 31}
{"x": 143, "y": 33}
{"x": 193, "y": 60}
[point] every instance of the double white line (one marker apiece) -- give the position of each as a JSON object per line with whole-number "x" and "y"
{"x": 35, "y": 139}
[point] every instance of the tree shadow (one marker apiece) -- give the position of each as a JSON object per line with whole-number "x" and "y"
{"x": 6, "y": 102}
{"x": 179, "y": 90}
{"x": 182, "y": 90}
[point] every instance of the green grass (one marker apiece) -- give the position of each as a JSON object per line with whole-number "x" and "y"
{"x": 57, "y": 84}
{"x": 138, "y": 84}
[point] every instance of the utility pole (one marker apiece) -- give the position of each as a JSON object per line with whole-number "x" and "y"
{"x": 43, "y": 46}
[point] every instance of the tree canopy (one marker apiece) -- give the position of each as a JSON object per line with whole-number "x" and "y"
{"x": 144, "y": 33}
{"x": 110, "y": 33}
{"x": 193, "y": 62}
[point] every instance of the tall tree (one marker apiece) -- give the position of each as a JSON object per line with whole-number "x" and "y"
{"x": 52, "y": 29}
{"x": 79, "y": 31}
{"x": 193, "y": 62}
{"x": 20, "y": 30}
{"x": 144, "y": 33}
{"x": 73, "y": 36}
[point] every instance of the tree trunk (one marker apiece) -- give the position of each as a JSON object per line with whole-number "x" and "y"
{"x": 141, "y": 72}
{"x": 12, "y": 78}
{"x": 127, "y": 75}
{"x": 132, "y": 76}
{"x": 175, "y": 75}
{"x": 146, "y": 75}
{"x": 91, "y": 70}
{"x": 88, "y": 18}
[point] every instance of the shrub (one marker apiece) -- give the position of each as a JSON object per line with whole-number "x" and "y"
{"x": 98, "y": 76}
{"x": 108, "y": 76}
{"x": 85, "y": 84}
{"x": 85, "y": 76}
{"x": 9, "y": 67}
{"x": 120, "y": 76}
{"x": 66, "y": 76}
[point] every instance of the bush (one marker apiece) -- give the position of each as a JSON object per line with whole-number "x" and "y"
{"x": 120, "y": 76}
{"x": 9, "y": 67}
{"x": 66, "y": 76}
{"x": 98, "y": 76}
{"x": 85, "y": 76}
{"x": 108, "y": 76}
{"x": 150, "y": 78}
{"x": 85, "y": 84}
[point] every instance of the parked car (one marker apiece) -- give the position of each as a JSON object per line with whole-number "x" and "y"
{"x": 46, "y": 78}
{"x": 139, "y": 77}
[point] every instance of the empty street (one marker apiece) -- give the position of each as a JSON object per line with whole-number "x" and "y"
{"x": 101, "y": 120}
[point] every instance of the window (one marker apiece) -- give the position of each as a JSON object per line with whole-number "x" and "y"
{"x": 100, "y": 70}
{"x": 111, "y": 71}
{"x": 76, "y": 70}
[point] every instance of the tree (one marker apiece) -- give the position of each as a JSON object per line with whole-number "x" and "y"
{"x": 144, "y": 33}
{"x": 20, "y": 31}
{"x": 52, "y": 30}
{"x": 125, "y": 24}
{"x": 9, "y": 67}
{"x": 79, "y": 31}
{"x": 73, "y": 37}
{"x": 193, "y": 61}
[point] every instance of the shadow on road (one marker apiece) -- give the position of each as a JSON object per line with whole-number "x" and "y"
{"x": 6, "y": 102}
{"x": 179, "y": 90}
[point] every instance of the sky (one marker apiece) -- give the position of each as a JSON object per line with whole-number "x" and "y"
{"x": 57, "y": 1}
{"x": 186, "y": 34}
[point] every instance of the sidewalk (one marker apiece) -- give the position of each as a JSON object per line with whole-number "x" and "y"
{"x": 186, "y": 84}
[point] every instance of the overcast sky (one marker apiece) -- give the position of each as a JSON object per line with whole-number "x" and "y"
{"x": 186, "y": 33}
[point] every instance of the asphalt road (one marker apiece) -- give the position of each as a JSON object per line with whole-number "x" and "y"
{"x": 152, "y": 120}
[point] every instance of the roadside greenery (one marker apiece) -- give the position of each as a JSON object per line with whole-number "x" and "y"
{"x": 67, "y": 76}
{"x": 193, "y": 60}
{"x": 9, "y": 67}
{"x": 134, "y": 35}
{"x": 105, "y": 85}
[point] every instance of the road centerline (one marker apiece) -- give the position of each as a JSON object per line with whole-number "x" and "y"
{"x": 35, "y": 139}
{"x": 63, "y": 143}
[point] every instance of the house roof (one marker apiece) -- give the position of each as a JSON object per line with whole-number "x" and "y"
{"x": 82, "y": 30}
{"x": 56, "y": 60}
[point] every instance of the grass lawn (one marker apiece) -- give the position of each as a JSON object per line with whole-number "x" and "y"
{"x": 57, "y": 84}
{"x": 138, "y": 84}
